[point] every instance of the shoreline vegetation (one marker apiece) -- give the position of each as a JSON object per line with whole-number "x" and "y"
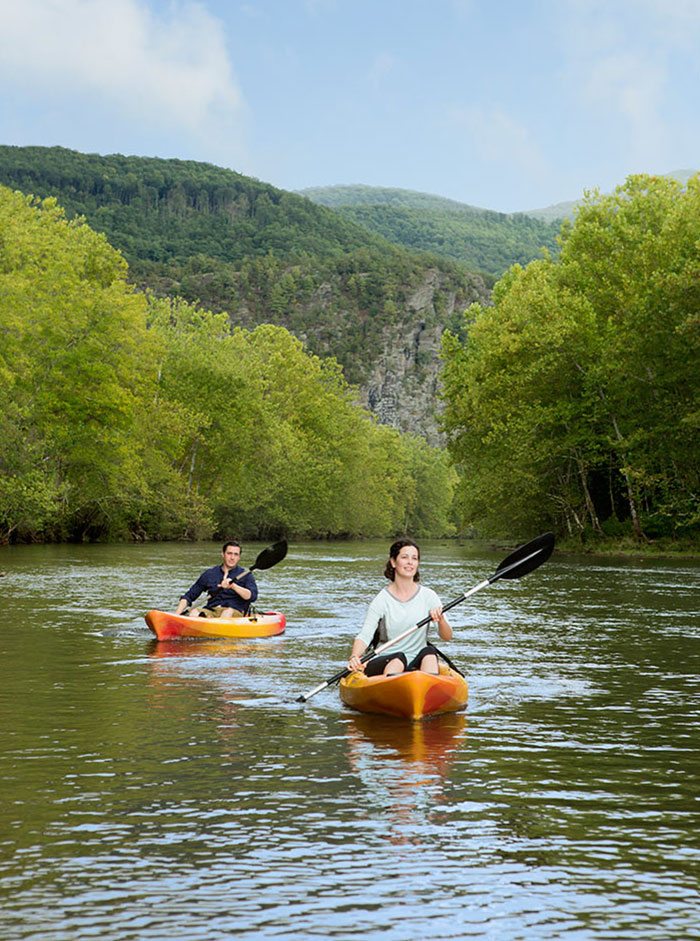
{"x": 580, "y": 382}
{"x": 572, "y": 400}
{"x": 628, "y": 548}
{"x": 132, "y": 416}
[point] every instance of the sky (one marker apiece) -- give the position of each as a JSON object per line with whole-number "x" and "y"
{"x": 508, "y": 105}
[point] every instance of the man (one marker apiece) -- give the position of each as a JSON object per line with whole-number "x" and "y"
{"x": 230, "y": 587}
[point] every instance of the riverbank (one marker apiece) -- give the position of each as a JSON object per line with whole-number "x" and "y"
{"x": 657, "y": 549}
{"x": 609, "y": 546}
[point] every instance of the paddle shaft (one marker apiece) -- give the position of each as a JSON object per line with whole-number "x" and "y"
{"x": 501, "y": 573}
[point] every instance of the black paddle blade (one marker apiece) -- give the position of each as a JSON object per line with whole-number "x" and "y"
{"x": 270, "y": 556}
{"x": 526, "y": 558}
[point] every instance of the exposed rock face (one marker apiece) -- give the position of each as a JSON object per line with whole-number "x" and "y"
{"x": 403, "y": 387}
{"x": 394, "y": 361}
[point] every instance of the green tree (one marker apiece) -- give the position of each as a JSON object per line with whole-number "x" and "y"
{"x": 130, "y": 415}
{"x": 271, "y": 435}
{"x": 574, "y": 399}
{"x": 75, "y": 364}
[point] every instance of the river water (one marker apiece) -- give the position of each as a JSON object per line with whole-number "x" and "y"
{"x": 177, "y": 790}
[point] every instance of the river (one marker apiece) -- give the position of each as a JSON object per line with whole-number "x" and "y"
{"x": 177, "y": 790}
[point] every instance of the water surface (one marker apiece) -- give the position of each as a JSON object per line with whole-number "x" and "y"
{"x": 177, "y": 790}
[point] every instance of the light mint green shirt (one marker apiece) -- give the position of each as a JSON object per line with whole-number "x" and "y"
{"x": 400, "y": 615}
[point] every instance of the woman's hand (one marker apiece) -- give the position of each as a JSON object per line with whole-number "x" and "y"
{"x": 355, "y": 664}
{"x": 437, "y": 617}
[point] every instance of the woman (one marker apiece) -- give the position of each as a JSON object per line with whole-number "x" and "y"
{"x": 402, "y": 604}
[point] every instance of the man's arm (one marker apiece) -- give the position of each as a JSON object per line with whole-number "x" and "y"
{"x": 243, "y": 585}
{"x": 191, "y": 596}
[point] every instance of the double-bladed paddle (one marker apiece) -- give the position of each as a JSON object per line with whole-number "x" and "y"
{"x": 518, "y": 563}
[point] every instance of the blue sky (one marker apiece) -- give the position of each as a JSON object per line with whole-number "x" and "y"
{"x": 503, "y": 104}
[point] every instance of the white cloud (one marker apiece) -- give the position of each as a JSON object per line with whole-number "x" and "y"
{"x": 171, "y": 71}
{"x": 496, "y": 136}
{"x": 623, "y": 59}
{"x": 631, "y": 85}
{"x": 674, "y": 22}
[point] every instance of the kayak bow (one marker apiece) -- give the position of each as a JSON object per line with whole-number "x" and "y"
{"x": 410, "y": 695}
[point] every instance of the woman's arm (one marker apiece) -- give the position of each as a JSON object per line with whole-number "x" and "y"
{"x": 444, "y": 629}
{"x": 358, "y": 648}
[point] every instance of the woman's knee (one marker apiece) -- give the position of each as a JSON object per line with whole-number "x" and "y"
{"x": 429, "y": 664}
{"x": 397, "y": 665}
{"x": 426, "y": 660}
{"x": 378, "y": 665}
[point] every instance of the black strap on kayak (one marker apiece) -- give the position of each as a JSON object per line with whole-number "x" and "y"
{"x": 448, "y": 661}
{"x": 379, "y": 637}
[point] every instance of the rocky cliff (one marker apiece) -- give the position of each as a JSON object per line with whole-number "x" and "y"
{"x": 396, "y": 365}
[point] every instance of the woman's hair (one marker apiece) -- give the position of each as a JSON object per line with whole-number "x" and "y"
{"x": 389, "y": 571}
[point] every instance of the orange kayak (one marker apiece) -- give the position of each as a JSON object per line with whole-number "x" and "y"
{"x": 408, "y": 695}
{"x": 167, "y": 626}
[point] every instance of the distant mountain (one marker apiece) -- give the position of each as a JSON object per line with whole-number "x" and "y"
{"x": 555, "y": 213}
{"x": 264, "y": 255}
{"x": 360, "y": 195}
{"x": 344, "y": 196}
{"x": 155, "y": 210}
{"x": 481, "y": 239}
{"x": 565, "y": 210}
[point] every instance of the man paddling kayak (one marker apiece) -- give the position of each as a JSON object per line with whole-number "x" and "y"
{"x": 231, "y": 588}
{"x": 401, "y": 604}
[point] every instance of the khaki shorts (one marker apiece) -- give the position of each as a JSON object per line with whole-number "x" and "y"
{"x": 216, "y": 612}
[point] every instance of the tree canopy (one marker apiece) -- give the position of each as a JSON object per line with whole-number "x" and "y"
{"x": 128, "y": 415}
{"x": 231, "y": 243}
{"x": 574, "y": 400}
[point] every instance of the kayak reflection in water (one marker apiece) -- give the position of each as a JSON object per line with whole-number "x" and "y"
{"x": 230, "y": 587}
{"x": 401, "y": 604}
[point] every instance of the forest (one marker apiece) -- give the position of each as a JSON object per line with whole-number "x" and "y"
{"x": 574, "y": 401}
{"x": 138, "y": 403}
{"x": 231, "y": 243}
{"x": 132, "y": 416}
{"x": 483, "y": 241}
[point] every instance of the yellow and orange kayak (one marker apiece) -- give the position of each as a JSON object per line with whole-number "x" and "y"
{"x": 410, "y": 695}
{"x": 167, "y": 626}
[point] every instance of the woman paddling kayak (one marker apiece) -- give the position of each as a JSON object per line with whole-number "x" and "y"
{"x": 401, "y": 604}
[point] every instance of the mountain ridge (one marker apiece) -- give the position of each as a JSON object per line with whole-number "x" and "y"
{"x": 356, "y": 194}
{"x": 264, "y": 255}
{"x": 374, "y": 287}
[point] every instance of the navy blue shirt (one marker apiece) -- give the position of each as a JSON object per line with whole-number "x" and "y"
{"x": 224, "y": 597}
